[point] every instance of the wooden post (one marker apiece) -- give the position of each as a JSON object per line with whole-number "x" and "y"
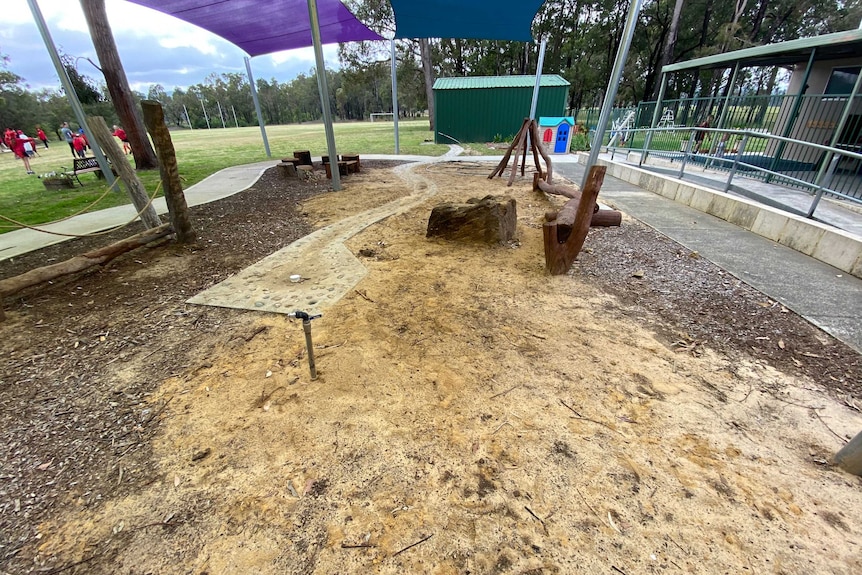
{"x": 502, "y": 165}
{"x": 850, "y": 457}
{"x": 134, "y": 186}
{"x": 522, "y": 141}
{"x": 534, "y": 132}
{"x": 154, "y": 118}
{"x": 559, "y": 255}
{"x": 535, "y": 146}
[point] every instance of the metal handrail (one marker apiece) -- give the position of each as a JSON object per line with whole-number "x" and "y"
{"x": 816, "y": 189}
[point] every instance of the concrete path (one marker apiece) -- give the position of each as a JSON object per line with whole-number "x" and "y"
{"x": 219, "y": 185}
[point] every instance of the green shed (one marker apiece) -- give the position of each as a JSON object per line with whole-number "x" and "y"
{"x": 485, "y": 108}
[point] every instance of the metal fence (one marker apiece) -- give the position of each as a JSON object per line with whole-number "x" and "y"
{"x": 836, "y": 172}
{"x": 790, "y": 140}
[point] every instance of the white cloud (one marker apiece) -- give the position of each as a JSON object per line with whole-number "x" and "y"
{"x": 154, "y": 47}
{"x": 305, "y": 56}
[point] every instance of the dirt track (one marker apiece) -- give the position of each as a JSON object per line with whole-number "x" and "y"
{"x": 500, "y": 420}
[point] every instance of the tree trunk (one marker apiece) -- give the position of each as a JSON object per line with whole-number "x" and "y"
{"x": 428, "y": 71}
{"x": 670, "y": 44}
{"x": 118, "y": 85}
{"x": 154, "y": 116}
{"x": 134, "y": 186}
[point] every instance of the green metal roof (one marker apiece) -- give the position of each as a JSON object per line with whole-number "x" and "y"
{"x": 829, "y": 47}
{"x": 472, "y": 82}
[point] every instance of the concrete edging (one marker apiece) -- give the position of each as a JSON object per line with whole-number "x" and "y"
{"x": 824, "y": 243}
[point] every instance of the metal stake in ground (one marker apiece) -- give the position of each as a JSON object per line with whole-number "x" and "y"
{"x": 306, "y": 326}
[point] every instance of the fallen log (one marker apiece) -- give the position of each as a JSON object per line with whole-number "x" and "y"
{"x": 561, "y": 252}
{"x": 606, "y": 219}
{"x": 79, "y": 263}
{"x": 558, "y": 190}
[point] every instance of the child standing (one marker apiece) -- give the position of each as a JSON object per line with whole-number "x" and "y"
{"x": 80, "y": 145}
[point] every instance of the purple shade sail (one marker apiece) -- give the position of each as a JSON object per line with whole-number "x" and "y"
{"x": 266, "y": 26}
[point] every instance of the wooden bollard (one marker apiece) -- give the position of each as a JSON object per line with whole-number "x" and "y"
{"x": 287, "y": 169}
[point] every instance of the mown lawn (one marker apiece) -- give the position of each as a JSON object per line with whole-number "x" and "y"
{"x": 200, "y": 153}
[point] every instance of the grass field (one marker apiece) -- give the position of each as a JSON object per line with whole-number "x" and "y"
{"x": 199, "y": 153}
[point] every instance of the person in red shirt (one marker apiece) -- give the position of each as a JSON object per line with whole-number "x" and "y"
{"x": 8, "y": 136}
{"x": 40, "y": 133}
{"x": 121, "y": 134}
{"x": 80, "y": 145}
{"x": 18, "y": 147}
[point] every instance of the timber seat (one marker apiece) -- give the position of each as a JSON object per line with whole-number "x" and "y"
{"x": 344, "y": 168}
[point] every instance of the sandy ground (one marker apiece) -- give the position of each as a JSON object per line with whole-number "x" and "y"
{"x": 474, "y": 415}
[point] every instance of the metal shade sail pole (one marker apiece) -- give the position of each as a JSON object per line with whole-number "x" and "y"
{"x": 257, "y": 108}
{"x": 394, "y": 92}
{"x": 539, "y": 66}
{"x": 324, "y": 93}
{"x": 207, "y": 118}
{"x": 70, "y": 92}
{"x": 220, "y": 114}
{"x": 613, "y": 85}
{"x": 188, "y": 119}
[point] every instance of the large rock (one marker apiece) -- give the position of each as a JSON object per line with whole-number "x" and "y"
{"x": 490, "y": 220}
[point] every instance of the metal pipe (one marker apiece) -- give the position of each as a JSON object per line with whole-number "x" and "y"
{"x": 688, "y": 148}
{"x": 207, "y": 118}
{"x": 322, "y": 87}
{"x": 539, "y": 68}
{"x": 655, "y": 118}
{"x": 234, "y": 116}
{"x": 257, "y": 108}
{"x": 188, "y": 119}
{"x": 306, "y": 327}
{"x": 309, "y": 345}
{"x": 723, "y": 116}
{"x": 535, "y": 100}
{"x": 827, "y": 160}
{"x": 394, "y": 92}
{"x": 220, "y": 115}
{"x": 70, "y": 92}
{"x": 794, "y": 111}
{"x": 735, "y": 167}
{"x": 613, "y": 86}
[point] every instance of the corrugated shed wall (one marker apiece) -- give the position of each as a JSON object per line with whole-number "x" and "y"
{"x": 486, "y": 114}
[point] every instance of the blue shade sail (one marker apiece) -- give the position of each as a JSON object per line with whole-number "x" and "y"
{"x": 474, "y": 19}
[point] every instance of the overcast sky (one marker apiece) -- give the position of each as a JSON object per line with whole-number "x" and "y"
{"x": 154, "y": 48}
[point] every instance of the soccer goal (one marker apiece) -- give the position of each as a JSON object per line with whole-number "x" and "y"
{"x": 377, "y": 115}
